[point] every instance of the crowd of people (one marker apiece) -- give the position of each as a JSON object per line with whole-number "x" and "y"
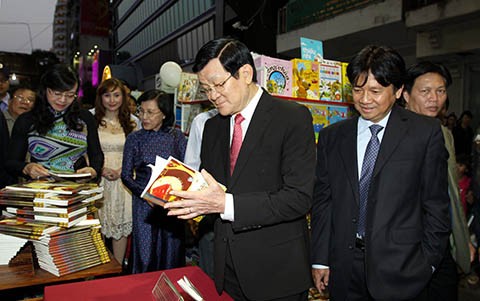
{"x": 393, "y": 192}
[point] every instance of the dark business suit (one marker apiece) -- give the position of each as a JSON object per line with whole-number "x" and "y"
{"x": 272, "y": 185}
{"x": 408, "y": 221}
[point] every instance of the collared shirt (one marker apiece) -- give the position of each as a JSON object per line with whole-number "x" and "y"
{"x": 364, "y": 135}
{"x": 247, "y": 113}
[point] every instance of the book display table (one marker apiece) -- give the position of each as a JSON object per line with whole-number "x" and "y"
{"x": 18, "y": 276}
{"x": 132, "y": 287}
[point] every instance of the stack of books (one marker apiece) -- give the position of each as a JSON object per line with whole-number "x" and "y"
{"x": 69, "y": 250}
{"x": 63, "y": 204}
{"x": 53, "y": 215}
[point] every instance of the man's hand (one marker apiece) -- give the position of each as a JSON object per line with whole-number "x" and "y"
{"x": 472, "y": 251}
{"x": 195, "y": 203}
{"x": 320, "y": 278}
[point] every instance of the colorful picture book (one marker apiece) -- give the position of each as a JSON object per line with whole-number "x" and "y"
{"x": 331, "y": 81}
{"x": 311, "y": 50}
{"x": 274, "y": 74}
{"x": 305, "y": 79}
{"x": 187, "y": 89}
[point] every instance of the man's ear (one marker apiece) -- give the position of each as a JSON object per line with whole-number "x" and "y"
{"x": 406, "y": 96}
{"x": 246, "y": 73}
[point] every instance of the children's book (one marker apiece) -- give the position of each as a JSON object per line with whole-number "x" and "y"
{"x": 311, "y": 50}
{"x": 331, "y": 81}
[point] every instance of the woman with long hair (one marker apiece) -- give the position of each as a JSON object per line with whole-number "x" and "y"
{"x": 57, "y": 133}
{"x": 115, "y": 123}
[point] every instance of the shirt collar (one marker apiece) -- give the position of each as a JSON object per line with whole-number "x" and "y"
{"x": 248, "y": 111}
{"x": 364, "y": 124}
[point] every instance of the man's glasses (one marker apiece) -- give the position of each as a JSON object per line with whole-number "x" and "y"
{"x": 219, "y": 88}
{"x": 23, "y": 99}
{"x": 58, "y": 95}
{"x": 146, "y": 114}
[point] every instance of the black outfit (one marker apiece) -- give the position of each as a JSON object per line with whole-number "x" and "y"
{"x": 463, "y": 138}
{"x": 5, "y": 178}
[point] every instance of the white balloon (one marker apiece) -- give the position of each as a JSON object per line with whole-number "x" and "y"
{"x": 170, "y": 73}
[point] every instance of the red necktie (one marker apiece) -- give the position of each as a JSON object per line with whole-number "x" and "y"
{"x": 236, "y": 141}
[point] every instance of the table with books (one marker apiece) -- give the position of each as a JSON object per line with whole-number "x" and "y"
{"x": 51, "y": 222}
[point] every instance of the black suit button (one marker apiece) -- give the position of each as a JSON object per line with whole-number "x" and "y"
{"x": 350, "y": 247}
{"x": 354, "y": 220}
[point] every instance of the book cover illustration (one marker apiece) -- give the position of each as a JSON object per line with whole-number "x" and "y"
{"x": 337, "y": 113}
{"x": 311, "y": 50}
{"x": 171, "y": 175}
{"x": 319, "y": 115}
{"x": 187, "y": 89}
{"x": 331, "y": 81}
{"x": 274, "y": 74}
{"x": 305, "y": 82}
{"x": 346, "y": 85}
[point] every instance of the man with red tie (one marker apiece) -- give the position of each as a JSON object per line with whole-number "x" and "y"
{"x": 263, "y": 150}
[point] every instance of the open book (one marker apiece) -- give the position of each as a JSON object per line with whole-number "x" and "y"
{"x": 168, "y": 175}
{"x": 189, "y": 288}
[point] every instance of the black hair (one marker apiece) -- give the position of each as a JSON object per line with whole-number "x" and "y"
{"x": 164, "y": 103}
{"x": 385, "y": 63}
{"x": 60, "y": 78}
{"x": 232, "y": 54}
{"x": 422, "y": 68}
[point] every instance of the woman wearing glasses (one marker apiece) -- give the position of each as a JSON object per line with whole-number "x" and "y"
{"x": 21, "y": 102}
{"x": 157, "y": 239}
{"x": 56, "y": 133}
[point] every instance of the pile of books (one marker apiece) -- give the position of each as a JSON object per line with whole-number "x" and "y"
{"x": 69, "y": 250}
{"x": 63, "y": 204}
{"x": 53, "y": 215}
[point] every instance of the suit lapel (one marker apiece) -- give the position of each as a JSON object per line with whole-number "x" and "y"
{"x": 259, "y": 123}
{"x": 395, "y": 131}
{"x": 221, "y": 147}
{"x": 348, "y": 152}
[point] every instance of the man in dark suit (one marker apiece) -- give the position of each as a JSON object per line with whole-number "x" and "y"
{"x": 261, "y": 237}
{"x": 425, "y": 93}
{"x": 380, "y": 219}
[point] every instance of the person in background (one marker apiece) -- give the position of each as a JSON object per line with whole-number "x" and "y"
{"x": 115, "y": 123}
{"x": 5, "y": 178}
{"x": 22, "y": 101}
{"x": 463, "y": 134}
{"x": 465, "y": 183}
{"x": 132, "y": 105}
{"x": 262, "y": 149}
{"x": 451, "y": 121}
{"x": 4, "y": 86}
{"x": 425, "y": 93}
{"x": 157, "y": 239}
{"x": 380, "y": 218}
{"x": 57, "y": 133}
{"x": 192, "y": 158}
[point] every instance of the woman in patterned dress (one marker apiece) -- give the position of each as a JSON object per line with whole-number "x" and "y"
{"x": 157, "y": 239}
{"x": 114, "y": 124}
{"x": 56, "y": 133}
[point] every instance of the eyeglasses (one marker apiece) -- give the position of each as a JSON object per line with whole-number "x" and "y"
{"x": 146, "y": 114}
{"x": 219, "y": 88}
{"x": 23, "y": 99}
{"x": 58, "y": 95}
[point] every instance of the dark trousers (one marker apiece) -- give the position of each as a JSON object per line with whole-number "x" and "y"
{"x": 444, "y": 282}
{"x": 358, "y": 290}
{"x": 232, "y": 285}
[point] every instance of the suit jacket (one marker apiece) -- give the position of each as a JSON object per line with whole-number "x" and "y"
{"x": 408, "y": 220}
{"x": 272, "y": 187}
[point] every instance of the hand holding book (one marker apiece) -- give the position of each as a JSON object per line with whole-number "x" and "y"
{"x": 169, "y": 181}
{"x": 211, "y": 199}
